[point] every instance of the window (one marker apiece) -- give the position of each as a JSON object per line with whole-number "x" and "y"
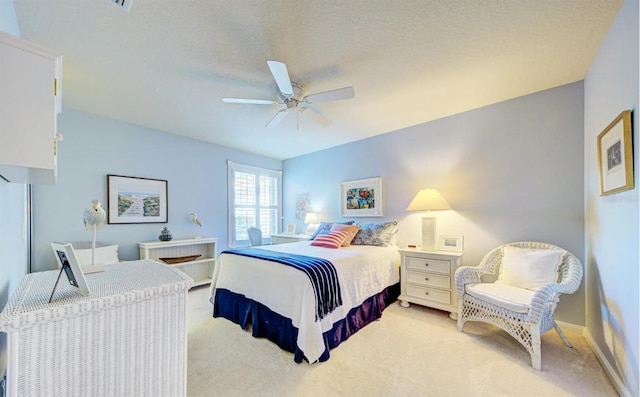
{"x": 255, "y": 199}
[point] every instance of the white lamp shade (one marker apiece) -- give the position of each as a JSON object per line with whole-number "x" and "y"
{"x": 428, "y": 200}
{"x": 310, "y": 217}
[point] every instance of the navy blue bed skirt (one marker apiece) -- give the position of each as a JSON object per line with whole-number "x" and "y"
{"x": 280, "y": 330}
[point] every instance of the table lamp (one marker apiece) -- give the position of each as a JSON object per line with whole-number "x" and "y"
{"x": 311, "y": 218}
{"x": 428, "y": 200}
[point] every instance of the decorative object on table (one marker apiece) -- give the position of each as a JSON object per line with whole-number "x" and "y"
{"x": 311, "y": 218}
{"x": 451, "y": 242}
{"x": 615, "y": 155}
{"x": 71, "y": 268}
{"x": 136, "y": 200}
{"x": 180, "y": 259}
{"x": 93, "y": 218}
{"x": 428, "y": 200}
{"x": 291, "y": 228}
{"x": 361, "y": 198}
{"x": 197, "y": 223}
{"x": 165, "y": 235}
{"x": 303, "y": 203}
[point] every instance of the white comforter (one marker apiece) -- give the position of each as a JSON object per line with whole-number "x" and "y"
{"x": 363, "y": 271}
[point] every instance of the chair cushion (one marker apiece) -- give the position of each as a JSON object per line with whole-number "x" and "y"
{"x": 503, "y": 295}
{"x": 529, "y": 268}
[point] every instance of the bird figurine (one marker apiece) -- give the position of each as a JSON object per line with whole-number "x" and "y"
{"x": 93, "y": 218}
{"x": 196, "y": 221}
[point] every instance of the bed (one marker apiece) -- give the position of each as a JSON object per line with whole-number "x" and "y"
{"x": 279, "y": 301}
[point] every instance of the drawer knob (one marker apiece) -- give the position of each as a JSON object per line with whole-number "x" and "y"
{"x": 426, "y": 264}
{"x": 426, "y": 279}
{"x": 426, "y": 293}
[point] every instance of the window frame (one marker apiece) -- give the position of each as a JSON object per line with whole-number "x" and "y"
{"x": 232, "y": 169}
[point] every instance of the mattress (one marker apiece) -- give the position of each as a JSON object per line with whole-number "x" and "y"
{"x": 363, "y": 271}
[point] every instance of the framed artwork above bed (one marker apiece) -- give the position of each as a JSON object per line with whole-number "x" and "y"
{"x": 361, "y": 198}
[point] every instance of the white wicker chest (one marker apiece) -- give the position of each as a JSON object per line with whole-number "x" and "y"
{"x": 127, "y": 338}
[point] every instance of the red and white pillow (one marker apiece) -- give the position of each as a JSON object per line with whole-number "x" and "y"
{"x": 352, "y": 230}
{"x": 331, "y": 240}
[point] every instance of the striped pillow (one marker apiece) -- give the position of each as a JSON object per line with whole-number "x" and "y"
{"x": 331, "y": 240}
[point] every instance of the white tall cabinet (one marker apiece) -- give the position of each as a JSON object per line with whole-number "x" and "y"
{"x": 30, "y": 100}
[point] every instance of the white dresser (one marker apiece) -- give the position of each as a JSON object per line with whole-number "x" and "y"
{"x": 199, "y": 269}
{"x": 127, "y": 338}
{"x": 427, "y": 278}
{"x": 288, "y": 238}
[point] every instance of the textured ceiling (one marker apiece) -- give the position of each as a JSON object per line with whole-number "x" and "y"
{"x": 167, "y": 64}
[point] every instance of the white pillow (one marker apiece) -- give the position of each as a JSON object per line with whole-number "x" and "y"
{"x": 529, "y": 268}
{"x": 104, "y": 255}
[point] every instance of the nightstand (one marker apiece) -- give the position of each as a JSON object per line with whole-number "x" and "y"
{"x": 427, "y": 278}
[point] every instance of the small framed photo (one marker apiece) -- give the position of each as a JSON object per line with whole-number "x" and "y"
{"x": 361, "y": 198}
{"x": 136, "y": 200}
{"x": 451, "y": 242}
{"x": 68, "y": 262}
{"x": 615, "y": 155}
{"x": 291, "y": 228}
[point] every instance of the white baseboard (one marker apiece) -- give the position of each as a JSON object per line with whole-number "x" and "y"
{"x": 608, "y": 369}
{"x": 573, "y": 328}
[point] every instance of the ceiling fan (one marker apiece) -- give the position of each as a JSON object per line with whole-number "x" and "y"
{"x": 291, "y": 95}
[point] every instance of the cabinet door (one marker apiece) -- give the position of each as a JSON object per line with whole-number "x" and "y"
{"x": 28, "y": 111}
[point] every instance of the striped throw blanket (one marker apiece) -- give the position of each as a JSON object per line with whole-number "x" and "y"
{"x": 321, "y": 273}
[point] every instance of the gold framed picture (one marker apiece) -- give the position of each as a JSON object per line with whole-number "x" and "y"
{"x": 615, "y": 155}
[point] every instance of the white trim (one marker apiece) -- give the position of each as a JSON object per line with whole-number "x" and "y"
{"x": 618, "y": 383}
{"x": 233, "y": 167}
{"x": 573, "y": 328}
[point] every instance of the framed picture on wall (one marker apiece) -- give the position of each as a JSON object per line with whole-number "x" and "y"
{"x": 615, "y": 155}
{"x": 136, "y": 200}
{"x": 361, "y": 198}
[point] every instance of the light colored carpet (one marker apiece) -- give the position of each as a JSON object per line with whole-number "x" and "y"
{"x": 412, "y": 351}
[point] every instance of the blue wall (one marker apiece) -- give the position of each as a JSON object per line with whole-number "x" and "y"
{"x": 612, "y": 275}
{"x": 13, "y": 239}
{"x": 94, "y": 146}
{"x": 511, "y": 171}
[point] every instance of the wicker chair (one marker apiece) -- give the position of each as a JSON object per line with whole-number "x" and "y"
{"x": 255, "y": 236}
{"x": 534, "y": 317}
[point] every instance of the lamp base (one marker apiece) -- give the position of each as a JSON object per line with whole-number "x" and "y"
{"x": 428, "y": 234}
{"x": 311, "y": 229}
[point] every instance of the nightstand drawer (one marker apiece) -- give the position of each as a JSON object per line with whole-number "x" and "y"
{"x": 428, "y": 264}
{"x": 429, "y": 279}
{"x": 431, "y": 294}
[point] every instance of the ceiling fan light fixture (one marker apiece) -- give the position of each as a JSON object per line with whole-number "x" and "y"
{"x": 291, "y": 95}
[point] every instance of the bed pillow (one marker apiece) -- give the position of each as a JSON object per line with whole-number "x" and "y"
{"x": 105, "y": 255}
{"x": 325, "y": 227}
{"x": 352, "y": 230}
{"x": 330, "y": 240}
{"x": 529, "y": 268}
{"x": 377, "y": 234}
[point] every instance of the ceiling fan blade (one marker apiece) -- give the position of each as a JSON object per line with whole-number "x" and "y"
{"x": 281, "y": 76}
{"x": 317, "y": 114}
{"x": 333, "y": 95}
{"x": 277, "y": 118}
{"x": 251, "y": 101}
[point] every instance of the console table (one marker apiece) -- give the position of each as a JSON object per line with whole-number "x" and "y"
{"x": 127, "y": 338}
